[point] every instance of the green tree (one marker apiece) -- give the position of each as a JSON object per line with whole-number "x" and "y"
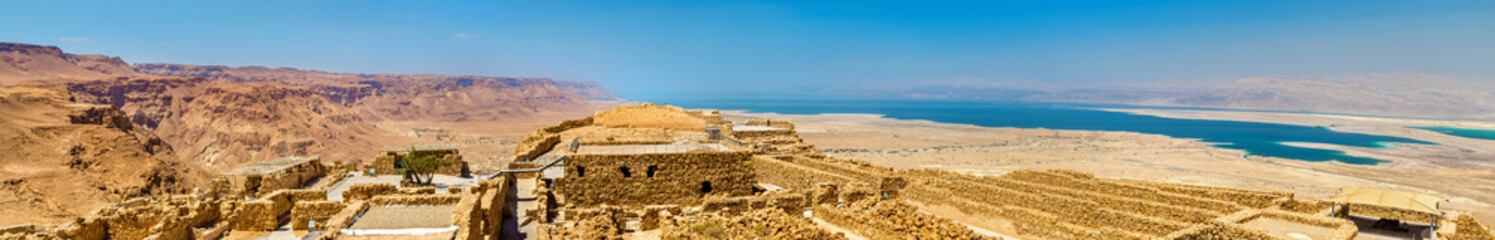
{"x": 420, "y": 167}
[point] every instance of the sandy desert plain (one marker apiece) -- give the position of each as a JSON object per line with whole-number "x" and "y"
{"x": 1457, "y": 168}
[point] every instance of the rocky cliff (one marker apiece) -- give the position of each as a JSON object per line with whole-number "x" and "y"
{"x": 64, "y": 159}
{"x": 417, "y": 97}
{"x": 226, "y": 124}
{"x": 21, "y": 63}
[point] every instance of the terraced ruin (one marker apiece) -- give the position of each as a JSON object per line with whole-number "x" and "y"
{"x": 661, "y": 172}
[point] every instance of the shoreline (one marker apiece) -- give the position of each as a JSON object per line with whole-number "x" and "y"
{"x": 977, "y": 150}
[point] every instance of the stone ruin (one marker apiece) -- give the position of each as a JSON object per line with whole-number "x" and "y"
{"x": 269, "y": 176}
{"x": 388, "y": 161}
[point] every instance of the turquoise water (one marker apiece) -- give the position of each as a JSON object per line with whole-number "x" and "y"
{"x": 1463, "y": 132}
{"x": 1255, "y": 138}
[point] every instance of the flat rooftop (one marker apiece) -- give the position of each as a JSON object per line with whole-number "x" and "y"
{"x": 752, "y": 128}
{"x": 270, "y": 166}
{"x": 651, "y": 148}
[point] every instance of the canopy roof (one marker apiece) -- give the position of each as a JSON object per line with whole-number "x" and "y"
{"x": 271, "y": 166}
{"x": 1410, "y": 201}
{"x": 428, "y": 147}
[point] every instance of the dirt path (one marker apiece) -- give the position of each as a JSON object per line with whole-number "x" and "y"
{"x": 521, "y": 199}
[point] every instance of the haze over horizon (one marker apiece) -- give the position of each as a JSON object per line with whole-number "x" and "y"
{"x": 650, "y": 48}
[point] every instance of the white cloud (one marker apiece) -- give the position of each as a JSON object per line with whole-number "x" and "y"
{"x": 72, "y": 40}
{"x": 462, "y": 35}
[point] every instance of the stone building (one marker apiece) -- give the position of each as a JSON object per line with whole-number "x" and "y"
{"x": 389, "y": 159}
{"x": 655, "y": 178}
{"x": 268, "y": 176}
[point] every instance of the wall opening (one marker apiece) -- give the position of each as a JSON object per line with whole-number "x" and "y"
{"x": 626, "y": 174}
{"x": 651, "y": 170}
{"x": 706, "y": 187}
{"x": 581, "y": 171}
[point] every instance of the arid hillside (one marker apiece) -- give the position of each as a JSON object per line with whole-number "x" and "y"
{"x": 1389, "y": 94}
{"x": 65, "y": 159}
{"x": 418, "y": 97}
{"x": 226, "y": 124}
{"x": 20, "y": 63}
{"x": 224, "y": 117}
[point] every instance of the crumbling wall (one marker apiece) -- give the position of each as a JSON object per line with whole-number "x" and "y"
{"x": 768, "y": 223}
{"x": 534, "y": 145}
{"x": 1388, "y": 213}
{"x": 468, "y": 217}
{"x": 364, "y": 191}
{"x": 798, "y": 172}
{"x": 1220, "y": 231}
{"x": 430, "y": 199}
{"x": 290, "y": 178}
{"x": 785, "y": 124}
{"x": 418, "y": 190}
{"x": 677, "y": 178}
{"x": 385, "y": 163}
{"x": 1467, "y": 228}
{"x": 1062, "y": 204}
{"x": 491, "y": 203}
{"x": 264, "y": 214}
{"x": 343, "y": 219}
{"x": 1304, "y": 206}
{"x": 878, "y": 219}
{"x": 317, "y": 212}
{"x": 794, "y": 176}
{"x": 162, "y": 217}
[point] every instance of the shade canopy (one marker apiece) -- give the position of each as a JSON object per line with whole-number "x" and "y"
{"x": 1410, "y": 201}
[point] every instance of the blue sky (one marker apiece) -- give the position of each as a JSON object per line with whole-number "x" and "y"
{"x": 642, "y": 48}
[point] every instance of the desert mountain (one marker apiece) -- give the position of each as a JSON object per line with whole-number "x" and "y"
{"x": 414, "y": 97}
{"x": 64, "y": 159}
{"x": 223, "y": 117}
{"x": 226, "y": 124}
{"x": 1390, "y": 94}
{"x": 21, "y": 63}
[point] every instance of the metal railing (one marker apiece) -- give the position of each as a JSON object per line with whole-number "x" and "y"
{"x": 530, "y": 170}
{"x": 737, "y": 118}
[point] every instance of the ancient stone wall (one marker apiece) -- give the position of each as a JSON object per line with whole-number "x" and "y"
{"x": 1061, "y": 204}
{"x": 785, "y": 124}
{"x": 163, "y": 217}
{"x": 798, "y": 172}
{"x": 1304, "y": 206}
{"x": 343, "y": 219}
{"x": 655, "y": 178}
{"x": 386, "y": 163}
{"x": 794, "y": 176}
{"x": 263, "y": 214}
{"x": 1389, "y": 213}
{"x": 468, "y": 217}
{"x": 878, "y": 219}
{"x": 292, "y": 177}
{"x": 1467, "y": 228}
{"x": 768, "y": 223}
{"x": 534, "y": 145}
{"x": 364, "y": 191}
{"x": 318, "y": 212}
{"x": 429, "y": 199}
{"x": 492, "y": 203}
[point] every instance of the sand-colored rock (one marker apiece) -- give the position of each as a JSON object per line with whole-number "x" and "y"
{"x": 65, "y": 159}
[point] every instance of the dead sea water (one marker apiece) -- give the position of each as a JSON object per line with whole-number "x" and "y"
{"x": 1264, "y": 139}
